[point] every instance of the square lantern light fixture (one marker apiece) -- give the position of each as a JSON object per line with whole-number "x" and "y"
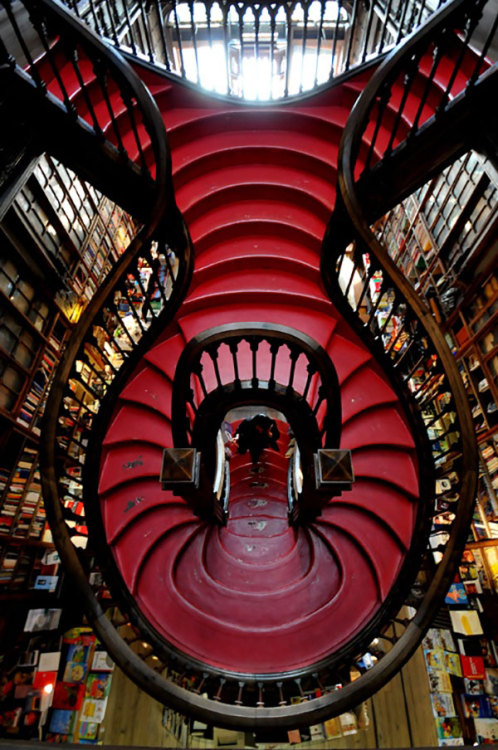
{"x": 333, "y": 470}
{"x": 180, "y": 468}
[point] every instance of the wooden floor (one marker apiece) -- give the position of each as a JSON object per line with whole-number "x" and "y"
{"x": 400, "y": 715}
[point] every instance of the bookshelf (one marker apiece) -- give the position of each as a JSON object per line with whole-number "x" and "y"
{"x": 443, "y": 239}
{"x": 57, "y": 242}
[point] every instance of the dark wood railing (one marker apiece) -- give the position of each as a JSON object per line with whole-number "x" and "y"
{"x": 88, "y": 100}
{"x": 263, "y": 50}
{"x": 386, "y": 311}
{"x": 258, "y": 364}
{"x": 390, "y": 137}
{"x": 401, "y": 333}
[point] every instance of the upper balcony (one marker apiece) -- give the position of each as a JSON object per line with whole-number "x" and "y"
{"x": 258, "y": 51}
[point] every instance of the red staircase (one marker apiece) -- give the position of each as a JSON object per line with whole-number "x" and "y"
{"x": 258, "y": 596}
{"x": 257, "y": 599}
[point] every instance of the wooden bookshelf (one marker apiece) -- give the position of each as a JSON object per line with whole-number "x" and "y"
{"x": 59, "y": 239}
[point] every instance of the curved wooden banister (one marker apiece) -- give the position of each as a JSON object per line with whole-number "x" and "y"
{"x": 197, "y": 418}
{"x": 206, "y": 346}
{"x": 373, "y": 155}
{"x": 353, "y": 260}
{"x": 216, "y": 696}
{"x": 62, "y": 68}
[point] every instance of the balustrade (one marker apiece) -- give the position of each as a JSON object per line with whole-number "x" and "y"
{"x": 257, "y": 50}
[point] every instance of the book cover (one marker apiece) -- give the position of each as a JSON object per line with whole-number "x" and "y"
{"x": 493, "y": 705}
{"x": 68, "y": 695}
{"x": 49, "y": 661}
{"x": 452, "y": 663}
{"x": 442, "y": 704}
{"x": 432, "y": 639}
{"x": 456, "y": 594}
{"x": 61, "y": 721}
{"x": 102, "y": 662}
{"x": 491, "y": 681}
{"x": 486, "y": 729}
{"x": 448, "y": 728}
{"x": 294, "y": 736}
{"x": 468, "y": 556}
{"x": 473, "y": 587}
{"x": 473, "y": 687}
{"x": 76, "y": 662}
{"x": 476, "y": 706}
{"x": 469, "y": 646}
{"x": 74, "y": 672}
{"x": 447, "y": 641}
{"x": 473, "y": 667}
{"x": 82, "y": 636}
{"x": 88, "y": 730}
{"x": 332, "y": 728}
{"x": 434, "y": 658}
{"x": 42, "y": 619}
{"x": 488, "y": 652}
{"x": 93, "y": 710}
{"x": 316, "y": 732}
{"x": 98, "y": 685}
{"x": 468, "y": 571}
{"x": 348, "y": 723}
{"x": 42, "y": 679}
{"x": 466, "y": 622}
{"x": 439, "y": 682}
{"x": 46, "y": 583}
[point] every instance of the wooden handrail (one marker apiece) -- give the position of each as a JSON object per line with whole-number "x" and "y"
{"x": 417, "y": 350}
{"x": 237, "y": 699}
{"x": 67, "y": 64}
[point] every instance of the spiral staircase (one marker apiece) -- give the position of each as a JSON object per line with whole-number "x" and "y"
{"x": 258, "y": 591}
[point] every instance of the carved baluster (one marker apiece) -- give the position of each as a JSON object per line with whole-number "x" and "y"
{"x": 179, "y": 40}
{"x": 234, "y": 347}
{"x": 160, "y": 23}
{"x": 194, "y": 41}
{"x": 254, "y": 345}
{"x": 281, "y": 701}
{"x": 197, "y": 369}
{"x": 288, "y": 38}
{"x": 306, "y": 10}
{"x": 352, "y": 35}
{"x": 473, "y": 15}
{"x": 217, "y": 696}
{"x": 213, "y": 352}
{"x": 311, "y": 369}
{"x": 100, "y": 70}
{"x": 387, "y": 21}
{"x": 274, "y": 348}
{"x": 131, "y": 109}
{"x": 336, "y": 32}
{"x": 293, "y": 356}
{"x": 129, "y": 26}
{"x": 146, "y": 30}
{"x": 273, "y": 12}
{"x": 73, "y": 56}
{"x": 408, "y": 78}
{"x": 382, "y": 100}
{"x": 319, "y": 43}
{"x": 225, "y": 9}
{"x": 238, "y": 701}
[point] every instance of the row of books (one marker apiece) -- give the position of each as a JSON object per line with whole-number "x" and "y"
{"x": 462, "y": 663}
{"x": 21, "y": 510}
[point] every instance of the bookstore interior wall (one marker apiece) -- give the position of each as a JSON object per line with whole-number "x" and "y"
{"x": 58, "y": 239}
